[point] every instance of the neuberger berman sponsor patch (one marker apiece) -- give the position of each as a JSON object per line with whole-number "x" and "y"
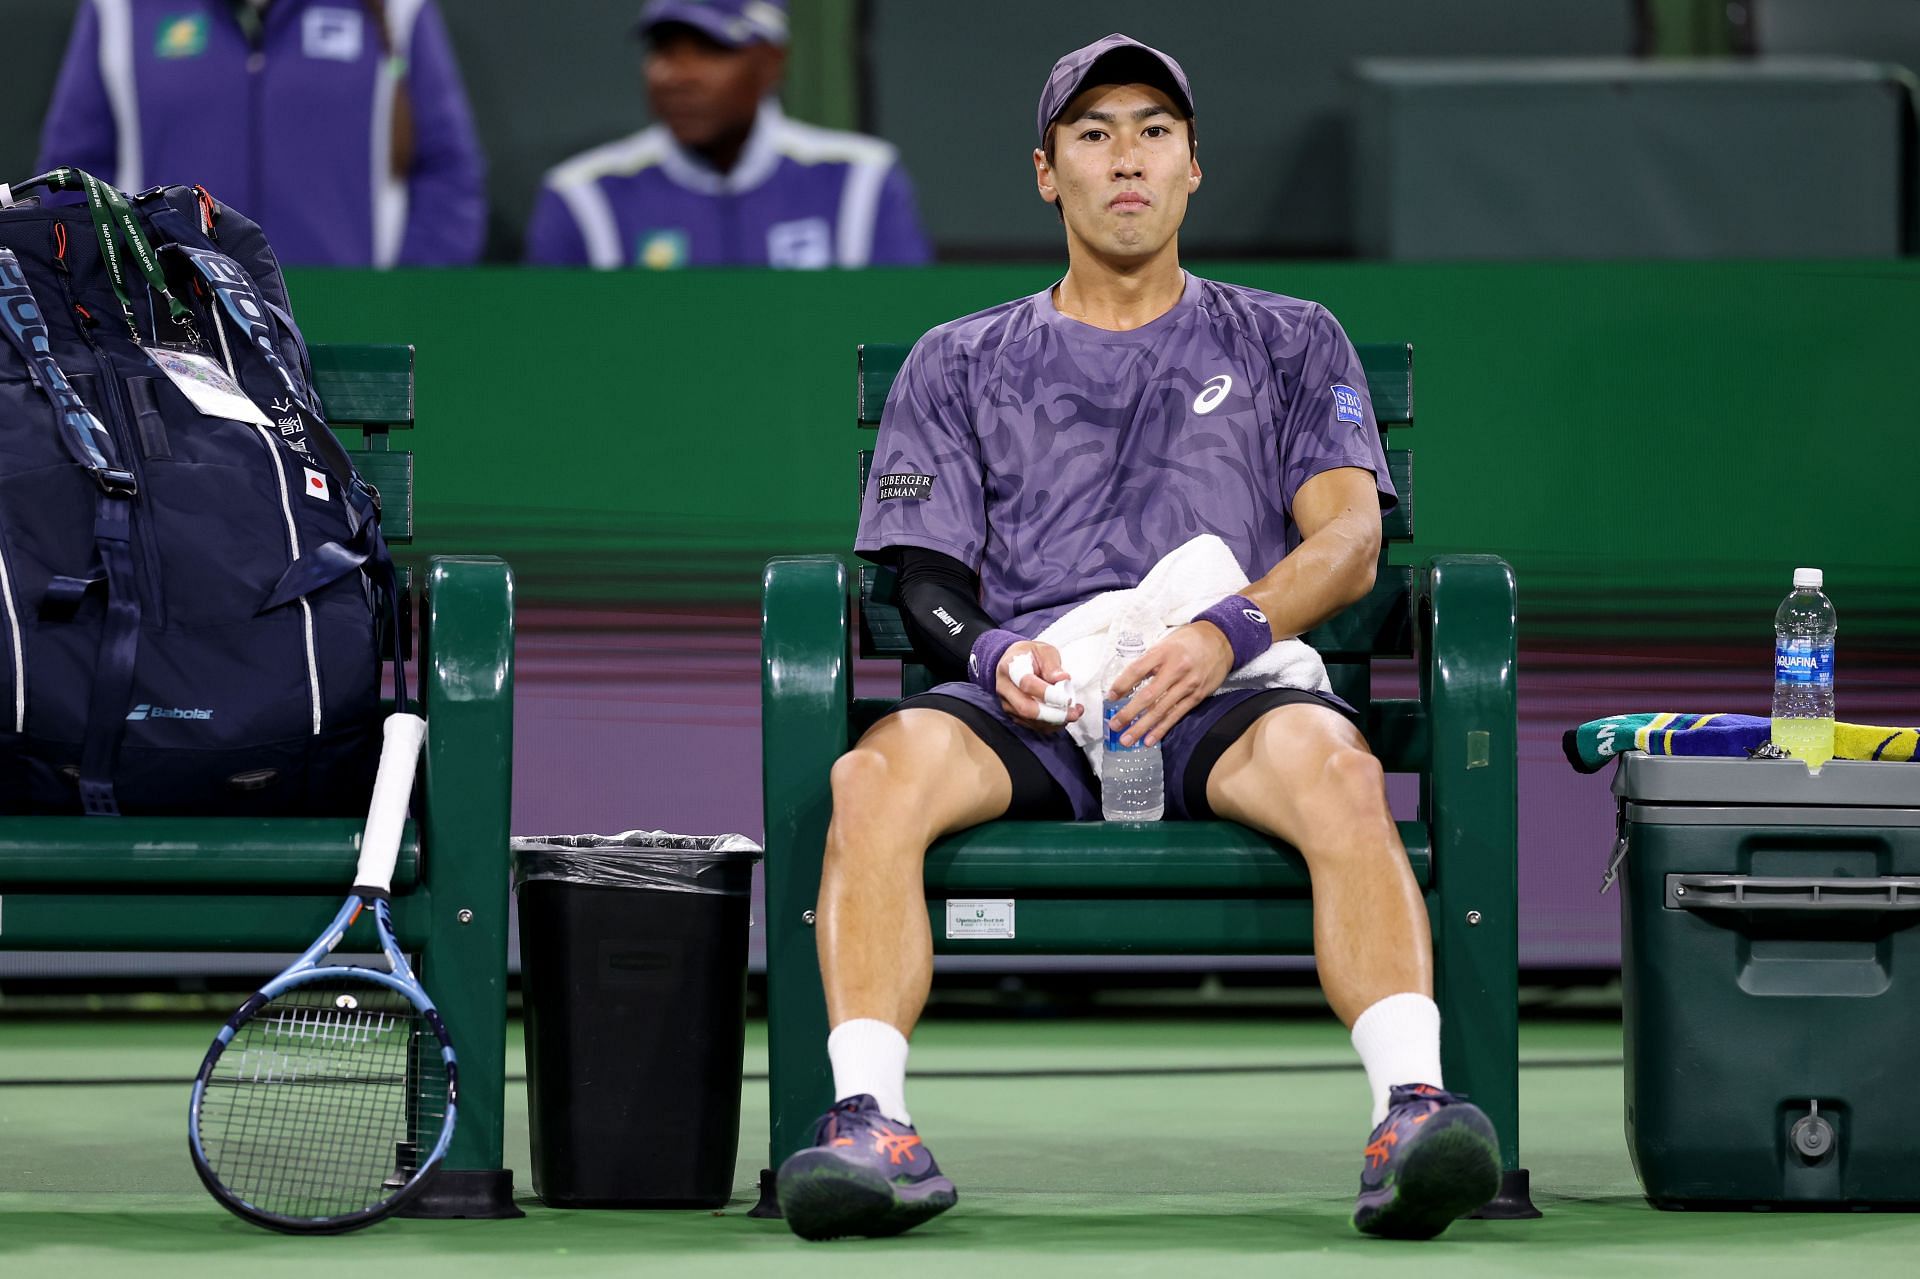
{"x": 898, "y": 487}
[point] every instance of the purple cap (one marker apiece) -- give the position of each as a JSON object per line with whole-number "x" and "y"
{"x": 1148, "y": 65}
{"x": 734, "y": 23}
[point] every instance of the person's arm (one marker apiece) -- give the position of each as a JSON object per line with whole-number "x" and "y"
{"x": 80, "y": 128}
{"x": 1332, "y": 567}
{"x": 927, "y": 491}
{"x": 447, "y": 201}
{"x": 553, "y": 236}
{"x": 897, "y": 237}
{"x": 1334, "y": 484}
{"x": 956, "y": 639}
{"x": 940, "y": 605}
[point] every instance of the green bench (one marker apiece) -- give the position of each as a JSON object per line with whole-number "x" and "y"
{"x": 1173, "y": 888}
{"x": 249, "y": 884}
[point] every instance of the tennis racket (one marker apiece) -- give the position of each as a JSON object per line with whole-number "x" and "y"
{"x": 328, "y": 1098}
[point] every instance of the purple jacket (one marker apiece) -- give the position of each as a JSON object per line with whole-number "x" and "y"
{"x": 297, "y": 135}
{"x": 800, "y": 196}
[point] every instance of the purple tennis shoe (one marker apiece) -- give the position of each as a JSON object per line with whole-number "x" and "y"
{"x": 1432, "y": 1160}
{"x": 863, "y": 1175}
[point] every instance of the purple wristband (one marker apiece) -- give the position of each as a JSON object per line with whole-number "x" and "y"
{"x": 983, "y": 663}
{"x": 1244, "y": 625}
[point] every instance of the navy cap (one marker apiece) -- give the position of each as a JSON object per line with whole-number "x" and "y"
{"x": 734, "y": 23}
{"x": 1075, "y": 71}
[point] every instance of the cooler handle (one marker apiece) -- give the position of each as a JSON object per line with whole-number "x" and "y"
{"x": 1756, "y": 892}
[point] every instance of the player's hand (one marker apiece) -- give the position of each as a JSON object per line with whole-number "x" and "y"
{"x": 1025, "y": 698}
{"x": 1186, "y": 668}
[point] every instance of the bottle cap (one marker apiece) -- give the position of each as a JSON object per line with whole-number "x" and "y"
{"x": 1808, "y": 579}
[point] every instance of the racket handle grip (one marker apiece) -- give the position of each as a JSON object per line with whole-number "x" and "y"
{"x": 387, "y": 814}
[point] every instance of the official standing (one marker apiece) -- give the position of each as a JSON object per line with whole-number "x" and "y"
{"x": 725, "y": 178}
{"x": 341, "y": 128}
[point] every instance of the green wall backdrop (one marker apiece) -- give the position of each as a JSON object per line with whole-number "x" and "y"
{"x": 1654, "y": 446}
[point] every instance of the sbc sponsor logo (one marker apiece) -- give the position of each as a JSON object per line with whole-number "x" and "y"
{"x": 1347, "y": 407}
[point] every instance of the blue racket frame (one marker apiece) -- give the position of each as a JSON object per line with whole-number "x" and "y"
{"x": 306, "y": 969}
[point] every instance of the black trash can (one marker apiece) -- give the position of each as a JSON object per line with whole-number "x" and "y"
{"x": 633, "y": 965}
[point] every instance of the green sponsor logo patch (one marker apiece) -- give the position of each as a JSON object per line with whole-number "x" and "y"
{"x": 663, "y": 250}
{"x": 181, "y": 36}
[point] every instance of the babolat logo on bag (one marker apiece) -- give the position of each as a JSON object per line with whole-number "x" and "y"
{"x": 145, "y": 711}
{"x": 894, "y": 488}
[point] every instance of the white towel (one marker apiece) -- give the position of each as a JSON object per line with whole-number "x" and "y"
{"x": 1191, "y": 579}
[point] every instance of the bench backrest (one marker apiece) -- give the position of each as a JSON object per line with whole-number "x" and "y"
{"x": 369, "y": 389}
{"x": 1381, "y": 625}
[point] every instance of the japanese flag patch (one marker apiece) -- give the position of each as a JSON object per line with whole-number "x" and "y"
{"x": 317, "y": 485}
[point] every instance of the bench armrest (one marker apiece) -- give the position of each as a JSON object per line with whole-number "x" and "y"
{"x": 1468, "y": 646}
{"x": 1468, "y": 642}
{"x": 805, "y": 676}
{"x": 466, "y": 678}
{"x": 805, "y": 687}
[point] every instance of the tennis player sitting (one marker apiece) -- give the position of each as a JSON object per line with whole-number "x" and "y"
{"x": 1056, "y": 447}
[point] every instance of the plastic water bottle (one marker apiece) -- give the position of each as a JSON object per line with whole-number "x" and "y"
{"x": 1131, "y": 785}
{"x": 1803, "y": 632}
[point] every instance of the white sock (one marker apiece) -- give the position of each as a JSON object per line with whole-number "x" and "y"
{"x": 870, "y": 1056}
{"x": 1398, "y": 1040}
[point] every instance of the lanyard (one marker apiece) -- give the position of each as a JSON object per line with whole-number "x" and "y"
{"x": 115, "y": 222}
{"x": 240, "y": 298}
{"x": 86, "y": 441}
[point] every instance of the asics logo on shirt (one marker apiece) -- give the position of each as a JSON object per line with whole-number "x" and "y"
{"x": 1212, "y": 393}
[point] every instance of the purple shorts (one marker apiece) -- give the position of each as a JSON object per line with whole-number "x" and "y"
{"x": 1051, "y": 777}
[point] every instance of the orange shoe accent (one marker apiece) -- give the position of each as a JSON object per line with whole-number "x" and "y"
{"x": 843, "y": 1141}
{"x": 1380, "y": 1151}
{"x": 1421, "y": 1119}
{"x": 893, "y": 1145}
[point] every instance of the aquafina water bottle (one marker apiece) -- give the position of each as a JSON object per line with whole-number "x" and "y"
{"x": 1131, "y": 785}
{"x": 1803, "y": 632}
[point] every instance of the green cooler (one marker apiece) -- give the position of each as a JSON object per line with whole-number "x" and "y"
{"x": 1770, "y": 957}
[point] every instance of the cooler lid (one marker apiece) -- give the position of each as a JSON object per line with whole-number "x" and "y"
{"x": 1669, "y": 779}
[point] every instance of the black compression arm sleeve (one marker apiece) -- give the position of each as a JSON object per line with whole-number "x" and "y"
{"x": 940, "y": 604}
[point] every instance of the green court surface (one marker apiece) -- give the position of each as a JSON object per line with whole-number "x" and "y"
{"x": 1080, "y": 1147}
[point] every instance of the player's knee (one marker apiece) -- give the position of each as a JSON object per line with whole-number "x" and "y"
{"x": 860, "y": 778}
{"x": 876, "y": 790}
{"x": 1348, "y": 799}
{"x": 1354, "y": 776}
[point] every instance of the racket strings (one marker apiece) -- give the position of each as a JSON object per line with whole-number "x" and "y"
{"x": 324, "y": 1100}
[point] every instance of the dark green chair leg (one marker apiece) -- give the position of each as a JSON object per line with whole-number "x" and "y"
{"x": 467, "y": 693}
{"x": 1467, "y": 676}
{"x": 806, "y": 688}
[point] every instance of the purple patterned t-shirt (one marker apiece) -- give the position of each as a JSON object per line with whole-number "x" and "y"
{"x": 1060, "y": 460}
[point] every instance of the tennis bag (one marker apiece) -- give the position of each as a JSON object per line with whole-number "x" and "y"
{"x": 192, "y": 577}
